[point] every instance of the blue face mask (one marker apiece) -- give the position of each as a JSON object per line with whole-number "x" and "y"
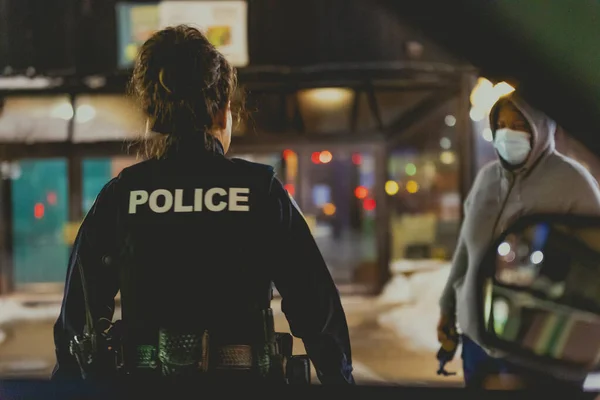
{"x": 513, "y": 146}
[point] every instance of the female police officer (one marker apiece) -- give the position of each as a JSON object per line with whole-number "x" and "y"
{"x": 194, "y": 240}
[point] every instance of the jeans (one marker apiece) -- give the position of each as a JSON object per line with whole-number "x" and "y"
{"x": 478, "y": 365}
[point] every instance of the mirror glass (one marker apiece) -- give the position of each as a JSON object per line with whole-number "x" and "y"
{"x": 544, "y": 294}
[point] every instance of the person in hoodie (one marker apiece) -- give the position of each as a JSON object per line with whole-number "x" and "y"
{"x": 529, "y": 176}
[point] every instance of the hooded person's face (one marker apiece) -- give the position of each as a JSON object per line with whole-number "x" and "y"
{"x": 513, "y": 135}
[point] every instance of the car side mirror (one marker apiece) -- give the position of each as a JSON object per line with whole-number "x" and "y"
{"x": 539, "y": 292}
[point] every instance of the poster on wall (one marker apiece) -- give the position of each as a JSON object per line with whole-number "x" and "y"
{"x": 136, "y": 22}
{"x": 224, "y": 22}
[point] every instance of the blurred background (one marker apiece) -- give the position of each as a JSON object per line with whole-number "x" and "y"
{"x": 376, "y": 131}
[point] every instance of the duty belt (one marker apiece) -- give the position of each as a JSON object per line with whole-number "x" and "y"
{"x": 179, "y": 352}
{"x": 234, "y": 356}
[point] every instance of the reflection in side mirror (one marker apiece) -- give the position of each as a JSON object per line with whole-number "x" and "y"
{"x": 540, "y": 291}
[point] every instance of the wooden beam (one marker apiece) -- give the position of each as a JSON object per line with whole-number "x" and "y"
{"x": 374, "y": 107}
{"x": 244, "y": 144}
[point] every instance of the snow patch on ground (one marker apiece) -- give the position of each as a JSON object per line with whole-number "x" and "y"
{"x": 410, "y": 277}
{"x": 12, "y": 310}
{"x": 24, "y": 367}
{"x": 403, "y": 266}
{"x": 397, "y": 291}
{"x": 363, "y": 373}
{"x": 414, "y": 298}
{"x": 416, "y": 315}
{"x": 15, "y": 311}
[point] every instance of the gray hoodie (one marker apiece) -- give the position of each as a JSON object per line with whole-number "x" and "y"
{"x": 548, "y": 182}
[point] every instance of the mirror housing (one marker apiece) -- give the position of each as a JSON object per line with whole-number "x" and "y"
{"x": 539, "y": 294}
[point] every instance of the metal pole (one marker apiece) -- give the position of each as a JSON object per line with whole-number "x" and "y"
{"x": 6, "y": 236}
{"x": 382, "y": 216}
{"x": 303, "y": 186}
{"x": 74, "y": 170}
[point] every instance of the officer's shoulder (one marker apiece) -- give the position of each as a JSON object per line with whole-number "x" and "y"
{"x": 129, "y": 175}
{"x": 252, "y": 168}
{"x": 137, "y": 168}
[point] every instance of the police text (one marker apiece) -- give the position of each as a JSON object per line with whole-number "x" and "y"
{"x": 213, "y": 200}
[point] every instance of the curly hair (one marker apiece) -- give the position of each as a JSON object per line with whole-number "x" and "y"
{"x": 181, "y": 81}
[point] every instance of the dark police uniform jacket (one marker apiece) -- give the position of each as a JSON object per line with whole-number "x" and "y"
{"x": 206, "y": 236}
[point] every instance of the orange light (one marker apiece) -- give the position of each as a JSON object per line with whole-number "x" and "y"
{"x": 290, "y": 188}
{"x": 329, "y": 209}
{"x": 412, "y": 187}
{"x": 288, "y": 153}
{"x": 369, "y": 204}
{"x": 325, "y": 157}
{"x": 51, "y": 198}
{"x": 315, "y": 157}
{"x": 356, "y": 159}
{"x": 361, "y": 192}
{"x": 38, "y": 210}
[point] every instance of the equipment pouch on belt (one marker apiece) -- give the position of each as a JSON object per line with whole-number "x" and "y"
{"x": 98, "y": 350}
{"x": 99, "y": 354}
{"x": 296, "y": 369}
{"x": 182, "y": 353}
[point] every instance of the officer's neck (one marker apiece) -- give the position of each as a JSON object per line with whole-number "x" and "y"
{"x": 194, "y": 146}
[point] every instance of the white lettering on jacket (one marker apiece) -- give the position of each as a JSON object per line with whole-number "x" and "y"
{"x": 161, "y": 201}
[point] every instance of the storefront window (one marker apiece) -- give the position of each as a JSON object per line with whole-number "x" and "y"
{"x": 40, "y": 213}
{"x": 97, "y": 172}
{"x": 340, "y": 208}
{"x": 422, "y": 186}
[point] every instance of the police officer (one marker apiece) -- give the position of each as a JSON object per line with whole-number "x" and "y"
{"x": 194, "y": 240}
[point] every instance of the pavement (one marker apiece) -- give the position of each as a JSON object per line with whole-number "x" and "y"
{"x": 380, "y": 354}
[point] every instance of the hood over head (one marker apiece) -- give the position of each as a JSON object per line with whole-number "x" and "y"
{"x": 543, "y": 128}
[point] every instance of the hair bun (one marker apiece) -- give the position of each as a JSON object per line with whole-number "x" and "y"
{"x": 180, "y": 76}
